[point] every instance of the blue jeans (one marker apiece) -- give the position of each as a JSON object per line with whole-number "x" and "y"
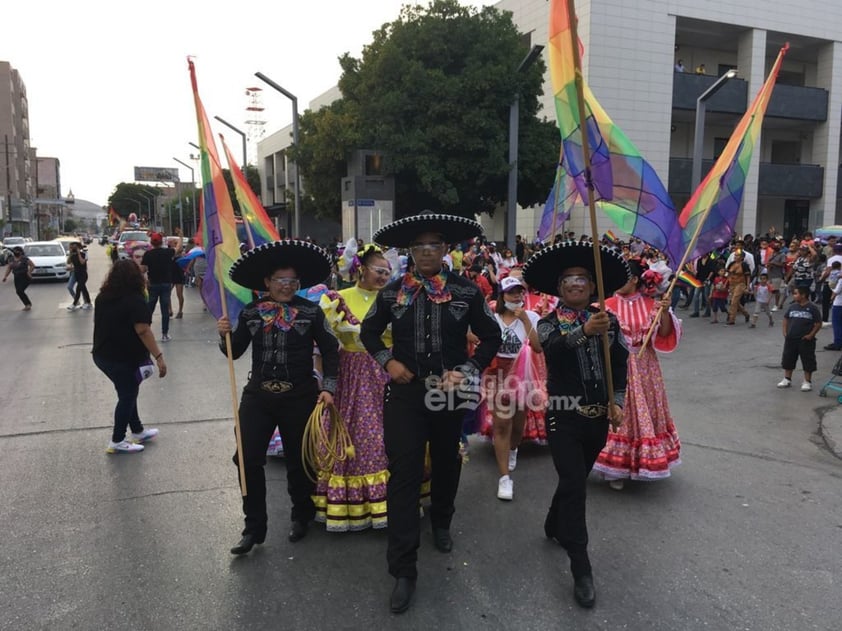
{"x": 71, "y": 285}
{"x": 162, "y": 291}
{"x": 700, "y": 299}
{"x": 836, "y": 322}
{"x": 123, "y": 376}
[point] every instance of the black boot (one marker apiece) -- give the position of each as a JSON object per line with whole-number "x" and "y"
{"x": 583, "y": 591}
{"x": 442, "y": 539}
{"x": 298, "y": 531}
{"x": 402, "y": 594}
{"x": 247, "y": 543}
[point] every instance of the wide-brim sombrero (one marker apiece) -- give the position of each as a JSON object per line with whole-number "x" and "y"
{"x": 310, "y": 262}
{"x": 543, "y": 269}
{"x": 402, "y": 233}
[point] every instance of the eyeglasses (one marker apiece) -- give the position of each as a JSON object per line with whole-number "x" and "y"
{"x": 572, "y": 281}
{"x": 426, "y": 248}
{"x": 285, "y": 282}
{"x": 382, "y": 271}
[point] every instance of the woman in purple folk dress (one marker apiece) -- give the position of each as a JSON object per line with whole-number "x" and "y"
{"x": 353, "y": 495}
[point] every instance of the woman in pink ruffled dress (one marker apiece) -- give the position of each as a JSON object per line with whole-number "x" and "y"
{"x": 646, "y": 446}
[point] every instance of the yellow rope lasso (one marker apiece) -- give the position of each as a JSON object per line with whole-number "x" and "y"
{"x": 326, "y": 440}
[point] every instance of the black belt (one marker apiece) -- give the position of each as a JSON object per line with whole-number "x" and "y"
{"x": 592, "y": 411}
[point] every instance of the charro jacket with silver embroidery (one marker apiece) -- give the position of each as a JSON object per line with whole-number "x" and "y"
{"x": 575, "y": 361}
{"x": 287, "y": 355}
{"x": 430, "y": 338}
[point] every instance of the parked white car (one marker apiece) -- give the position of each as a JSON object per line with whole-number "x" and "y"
{"x": 49, "y": 259}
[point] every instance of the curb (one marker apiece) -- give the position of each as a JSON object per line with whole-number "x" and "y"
{"x": 830, "y": 426}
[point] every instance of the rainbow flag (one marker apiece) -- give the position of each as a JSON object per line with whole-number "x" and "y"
{"x": 625, "y": 185}
{"x": 707, "y": 221}
{"x": 259, "y": 228}
{"x": 688, "y": 278}
{"x": 114, "y": 219}
{"x": 610, "y": 236}
{"x": 219, "y": 230}
{"x": 558, "y": 205}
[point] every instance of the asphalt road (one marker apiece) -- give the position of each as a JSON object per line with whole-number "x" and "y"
{"x": 745, "y": 535}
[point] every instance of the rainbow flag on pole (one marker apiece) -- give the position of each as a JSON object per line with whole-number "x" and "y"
{"x": 259, "y": 228}
{"x": 219, "y": 228}
{"x": 626, "y": 186}
{"x": 707, "y": 221}
{"x": 689, "y": 278}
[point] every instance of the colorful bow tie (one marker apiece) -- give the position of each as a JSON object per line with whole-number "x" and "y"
{"x": 279, "y": 314}
{"x": 434, "y": 286}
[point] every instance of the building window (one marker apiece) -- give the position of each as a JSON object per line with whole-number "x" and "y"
{"x": 373, "y": 164}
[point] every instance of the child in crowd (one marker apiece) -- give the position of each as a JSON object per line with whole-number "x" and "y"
{"x": 802, "y": 321}
{"x": 718, "y": 295}
{"x": 762, "y": 298}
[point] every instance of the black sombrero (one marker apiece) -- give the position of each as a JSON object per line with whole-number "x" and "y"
{"x": 543, "y": 268}
{"x": 310, "y": 262}
{"x": 401, "y": 233}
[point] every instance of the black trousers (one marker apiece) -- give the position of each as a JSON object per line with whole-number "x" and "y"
{"x": 575, "y": 442}
{"x": 81, "y": 290}
{"x": 260, "y": 413}
{"x": 21, "y": 283}
{"x": 408, "y": 424}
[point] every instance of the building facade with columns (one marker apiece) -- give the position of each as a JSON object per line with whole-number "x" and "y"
{"x": 632, "y": 48}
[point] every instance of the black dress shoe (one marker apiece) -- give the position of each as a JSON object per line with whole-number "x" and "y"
{"x": 442, "y": 539}
{"x": 402, "y": 594}
{"x": 247, "y": 543}
{"x": 584, "y": 592}
{"x": 549, "y": 526}
{"x": 298, "y": 531}
{"x": 831, "y": 347}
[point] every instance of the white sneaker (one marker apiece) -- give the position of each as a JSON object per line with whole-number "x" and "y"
{"x": 617, "y": 485}
{"x": 165, "y": 338}
{"x": 123, "y": 447}
{"x": 505, "y": 488}
{"x": 775, "y": 308}
{"x": 147, "y": 434}
{"x": 784, "y": 383}
{"x": 512, "y": 459}
{"x": 826, "y": 324}
{"x": 72, "y": 307}
{"x": 87, "y": 306}
{"x": 806, "y": 386}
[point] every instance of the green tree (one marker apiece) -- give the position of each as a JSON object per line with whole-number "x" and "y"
{"x": 432, "y": 91}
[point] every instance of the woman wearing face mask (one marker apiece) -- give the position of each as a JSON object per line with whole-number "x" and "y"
{"x": 352, "y": 496}
{"x": 504, "y": 397}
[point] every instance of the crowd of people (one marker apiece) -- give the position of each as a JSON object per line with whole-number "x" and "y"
{"x": 432, "y": 333}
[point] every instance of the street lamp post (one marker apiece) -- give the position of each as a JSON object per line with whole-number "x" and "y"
{"x": 150, "y": 205}
{"x": 699, "y": 134}
{"x": 514, "y": 120}
{"x": 297, "y": 217}
{"x": 193, "y": 191}
{"x": 243, "y": 134}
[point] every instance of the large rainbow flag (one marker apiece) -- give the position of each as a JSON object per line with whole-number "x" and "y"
{"x": 219, "y": 229}
{"x": 707, "y": 221}
{"x": 625, "y": 185}
{"x": 258, "y": 225}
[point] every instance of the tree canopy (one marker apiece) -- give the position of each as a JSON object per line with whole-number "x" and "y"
{"x": 432, "y": 91}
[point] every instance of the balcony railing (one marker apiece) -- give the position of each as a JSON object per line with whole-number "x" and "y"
{"x": 788, "y": 101}
{"x": 776, "y": 180}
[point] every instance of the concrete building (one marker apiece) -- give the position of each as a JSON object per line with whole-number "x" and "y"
{"x": 17, "y": 179}
{"x": 631, "y": 49}
{"x": 48, "y": 203}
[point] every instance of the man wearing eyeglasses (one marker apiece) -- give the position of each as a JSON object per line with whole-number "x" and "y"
{"x": 430, "y": 311}
{"x": 282, "y": 329}
{"x": 580, "y": 404}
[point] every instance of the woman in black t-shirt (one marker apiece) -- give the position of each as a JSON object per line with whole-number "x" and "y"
{"x": 123, "y": 343}
{"x": 21, "y": 266}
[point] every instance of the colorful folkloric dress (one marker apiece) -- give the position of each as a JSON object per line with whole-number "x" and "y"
{"x": 353, "y": 495}
{"x": 646, "y": 445}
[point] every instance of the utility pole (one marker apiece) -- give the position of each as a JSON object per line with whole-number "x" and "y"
{"x": 8, "y": 186}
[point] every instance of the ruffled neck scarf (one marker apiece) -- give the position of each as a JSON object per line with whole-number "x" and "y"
{"x": 413, "y": 283}
{"x": 278, "y": 314}
{"x": 569, "y": 319}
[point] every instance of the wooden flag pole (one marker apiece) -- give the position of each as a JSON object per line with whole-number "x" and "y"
{"x": 600, "y": 285}
{"x": 233, "y": 380}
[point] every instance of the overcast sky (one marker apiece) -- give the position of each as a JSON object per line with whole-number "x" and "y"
{"x": 108, "y": 84}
